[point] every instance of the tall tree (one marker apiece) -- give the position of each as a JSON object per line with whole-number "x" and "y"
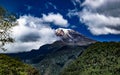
{"x": 7, "y": 21}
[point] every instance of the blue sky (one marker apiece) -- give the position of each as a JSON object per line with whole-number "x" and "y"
{"x": 39, "y": 7}
{"x": 96, "y": 19}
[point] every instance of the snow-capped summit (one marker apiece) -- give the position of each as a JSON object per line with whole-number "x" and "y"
{"x": 72, "y": 37}
{"x": 63, "y": 32}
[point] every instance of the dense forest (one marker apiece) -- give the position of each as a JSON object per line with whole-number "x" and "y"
{"x": 98, "y": 59}
{"x": 10, "y": 66}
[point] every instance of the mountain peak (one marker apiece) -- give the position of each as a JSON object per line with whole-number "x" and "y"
{"x": 62, "y": 31}
{"x": 72, "y": 37}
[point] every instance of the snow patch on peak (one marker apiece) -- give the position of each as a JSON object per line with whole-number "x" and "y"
{"x": 65, "y": 31}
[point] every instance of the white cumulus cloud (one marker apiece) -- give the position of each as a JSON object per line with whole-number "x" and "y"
{"x": 57, "y": 19}
{"x": 101, "y": 16}
{"x": 100, "y": 24}
{"x": 30, "y": 33}
{"x": 93, "y": 3}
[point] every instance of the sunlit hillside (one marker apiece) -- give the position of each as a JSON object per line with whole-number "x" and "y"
{"x": 10, "y": 66}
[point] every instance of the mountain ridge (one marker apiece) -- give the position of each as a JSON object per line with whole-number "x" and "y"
{"x": 58, "y": 54}
{"x": 71, "y": 37}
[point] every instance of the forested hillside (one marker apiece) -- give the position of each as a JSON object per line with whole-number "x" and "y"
{"x": 98, "y": 59}
{"x": 10, "y": 66}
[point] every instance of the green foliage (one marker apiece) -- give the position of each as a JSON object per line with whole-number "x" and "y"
{"x": 10, "y": 66}
{"x": 98, "y": 59}
{"x": 7, "y": 21}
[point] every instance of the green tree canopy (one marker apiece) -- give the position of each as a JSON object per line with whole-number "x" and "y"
{"x": 7, "y": 21}
{"x": 98, "y": 59}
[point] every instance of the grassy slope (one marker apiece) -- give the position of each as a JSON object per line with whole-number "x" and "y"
{"x": 10, "y": 66}
{"x": 98, "y": 59}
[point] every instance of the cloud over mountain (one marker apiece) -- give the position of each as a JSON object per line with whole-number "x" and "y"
{"x": 33, "y": 32}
